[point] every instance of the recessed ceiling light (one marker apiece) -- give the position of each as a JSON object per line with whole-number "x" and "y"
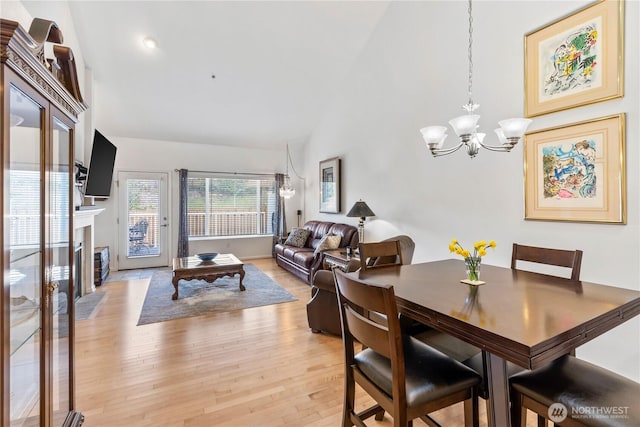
{"x": 149, "y": 43}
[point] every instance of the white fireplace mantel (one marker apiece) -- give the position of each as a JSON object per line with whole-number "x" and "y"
{"x": 83, "y": 224}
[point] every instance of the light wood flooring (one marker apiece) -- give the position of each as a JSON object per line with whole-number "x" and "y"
{"x": 255, "y": 367}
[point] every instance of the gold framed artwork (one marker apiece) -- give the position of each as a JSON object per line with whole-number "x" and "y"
{"x": 577, "y": 172}
{"x": 330, "y": 185}
{"x": 576, "y": 60}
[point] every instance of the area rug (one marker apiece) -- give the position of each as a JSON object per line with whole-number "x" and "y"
{"x": 198, "y": 297}
{"x": 86, "y": 305}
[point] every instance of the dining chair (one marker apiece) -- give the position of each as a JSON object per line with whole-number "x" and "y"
{"x": 322, "y": 308}
{"x": 405, "y": 377}
{"x": 557, "y": 257}
{"x": 570, "y": 392}
{"x": 474, "y": 357}
{"x": 380, "y": 254}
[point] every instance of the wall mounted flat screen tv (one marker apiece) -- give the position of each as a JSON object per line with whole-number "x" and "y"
{"x": 100, "y": 175}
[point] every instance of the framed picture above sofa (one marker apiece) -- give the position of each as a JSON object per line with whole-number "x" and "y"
{"x": 330, "y": 185}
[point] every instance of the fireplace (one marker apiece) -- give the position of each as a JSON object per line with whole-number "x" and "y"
{"x": 83, "y": 224}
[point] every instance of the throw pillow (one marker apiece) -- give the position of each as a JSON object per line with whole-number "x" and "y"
{"x": 330, "y": 241}
{"x": 297, "y": 237}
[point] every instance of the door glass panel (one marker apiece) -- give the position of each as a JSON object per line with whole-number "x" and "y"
{"x": 143, "y": 217}
{"x": 62, "y": 296}
{"x": 22, "y": 196}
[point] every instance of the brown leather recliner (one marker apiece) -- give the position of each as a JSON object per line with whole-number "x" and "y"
{"x": 322, "y": 309}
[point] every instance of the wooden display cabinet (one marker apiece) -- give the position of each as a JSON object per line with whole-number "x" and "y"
{"x": 40, "y": 107}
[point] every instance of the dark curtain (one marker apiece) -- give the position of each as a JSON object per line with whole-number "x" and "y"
{"x": 183, "y": 222}
{"x": 279, "y": 223}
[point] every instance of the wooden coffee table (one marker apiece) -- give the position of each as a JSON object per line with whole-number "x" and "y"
{"x": 192, "y": 268}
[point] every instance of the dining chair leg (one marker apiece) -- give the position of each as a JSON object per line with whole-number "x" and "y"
{"x": 518, "y": 413}
{"x": 489, "y": 417}
{"x": 471, "y": 411}
{"x": 349, "y": 400}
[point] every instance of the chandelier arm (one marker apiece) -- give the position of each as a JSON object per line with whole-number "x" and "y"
{"x": 437, "y": 152}
{"x": 501, "y": 148}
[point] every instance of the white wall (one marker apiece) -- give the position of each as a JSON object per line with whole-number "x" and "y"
{"x": 413, "y": 73}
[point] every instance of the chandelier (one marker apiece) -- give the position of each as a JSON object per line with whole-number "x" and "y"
{"x": 287, "y": 191}
{"x": 465, "y": 126}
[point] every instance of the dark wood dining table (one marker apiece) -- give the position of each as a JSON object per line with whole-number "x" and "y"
{"x": 526, "y": 318}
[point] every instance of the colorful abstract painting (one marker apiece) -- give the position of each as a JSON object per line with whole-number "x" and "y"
{"x": 575, "y": 172}
{"x": 576, "y": 60}
{"x": 570, "y": 174}
{"x": 571, "y": 61}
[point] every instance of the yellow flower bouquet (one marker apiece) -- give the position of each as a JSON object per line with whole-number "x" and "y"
{"x": 472, "y": 261}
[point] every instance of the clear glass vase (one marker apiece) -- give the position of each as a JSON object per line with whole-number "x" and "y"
{"x": 472, "y": 265}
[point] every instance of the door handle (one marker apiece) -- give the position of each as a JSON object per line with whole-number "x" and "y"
{"x": 164, "y": 225}
{"x": 52, "y": 286}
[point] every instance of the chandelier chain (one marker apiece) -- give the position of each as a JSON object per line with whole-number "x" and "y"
{"x": 469, "y": 10}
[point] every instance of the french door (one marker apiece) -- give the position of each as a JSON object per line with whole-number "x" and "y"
{"x": 143, "y": 220}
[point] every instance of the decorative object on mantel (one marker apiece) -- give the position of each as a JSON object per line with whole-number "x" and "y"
{"x": 287, "y": 191}
{"x": 473, "y": 260}
{"x": 509, "y": 133}
{"x": 362, "y": 210}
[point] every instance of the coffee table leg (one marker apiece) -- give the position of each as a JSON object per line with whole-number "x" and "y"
{"x": 175, "y": 281}
{"x": 242, "y": 288}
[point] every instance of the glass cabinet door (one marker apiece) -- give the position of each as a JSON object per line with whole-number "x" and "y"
{"x": 59, "y": 262}
{"x": 23, "y": 242}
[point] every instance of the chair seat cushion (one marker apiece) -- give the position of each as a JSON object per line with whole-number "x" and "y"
{"x": 430, "y": 374}
{"x": 583, "y": 387}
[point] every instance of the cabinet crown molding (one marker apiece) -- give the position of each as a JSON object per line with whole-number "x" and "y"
{"x": 24, "y": 53}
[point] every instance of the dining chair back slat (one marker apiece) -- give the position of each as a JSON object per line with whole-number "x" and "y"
{"x": 557, "y": 257}
{"x": 380, "y": 254}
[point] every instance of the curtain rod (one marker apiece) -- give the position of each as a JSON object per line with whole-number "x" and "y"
{"x": 229, "y": 173}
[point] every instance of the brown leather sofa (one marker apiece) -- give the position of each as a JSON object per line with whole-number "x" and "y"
{"x": 303, "y": 262}
{"x": 323, "y": 314}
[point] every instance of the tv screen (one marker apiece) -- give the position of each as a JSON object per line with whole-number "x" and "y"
{"x": 100, "y": 174}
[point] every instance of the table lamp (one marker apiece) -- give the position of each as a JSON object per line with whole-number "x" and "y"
{"x": 360, "y": 209}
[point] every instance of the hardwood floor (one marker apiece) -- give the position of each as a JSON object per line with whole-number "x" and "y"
{"x": 256, "y": 367}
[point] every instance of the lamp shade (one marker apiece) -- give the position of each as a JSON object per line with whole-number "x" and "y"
{"x": 360, "y": 209}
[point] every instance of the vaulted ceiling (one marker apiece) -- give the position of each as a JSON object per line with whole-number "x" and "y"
{"x": 277, "y": 66}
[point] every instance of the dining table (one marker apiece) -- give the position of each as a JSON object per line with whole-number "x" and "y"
{"x": 516, "y": 316}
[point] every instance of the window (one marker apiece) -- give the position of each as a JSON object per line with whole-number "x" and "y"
{"x": 24, "y": 207}
{"x": 230, "y": 206}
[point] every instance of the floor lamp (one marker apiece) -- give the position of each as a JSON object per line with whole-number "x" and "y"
{"x": 360, "y": 209}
